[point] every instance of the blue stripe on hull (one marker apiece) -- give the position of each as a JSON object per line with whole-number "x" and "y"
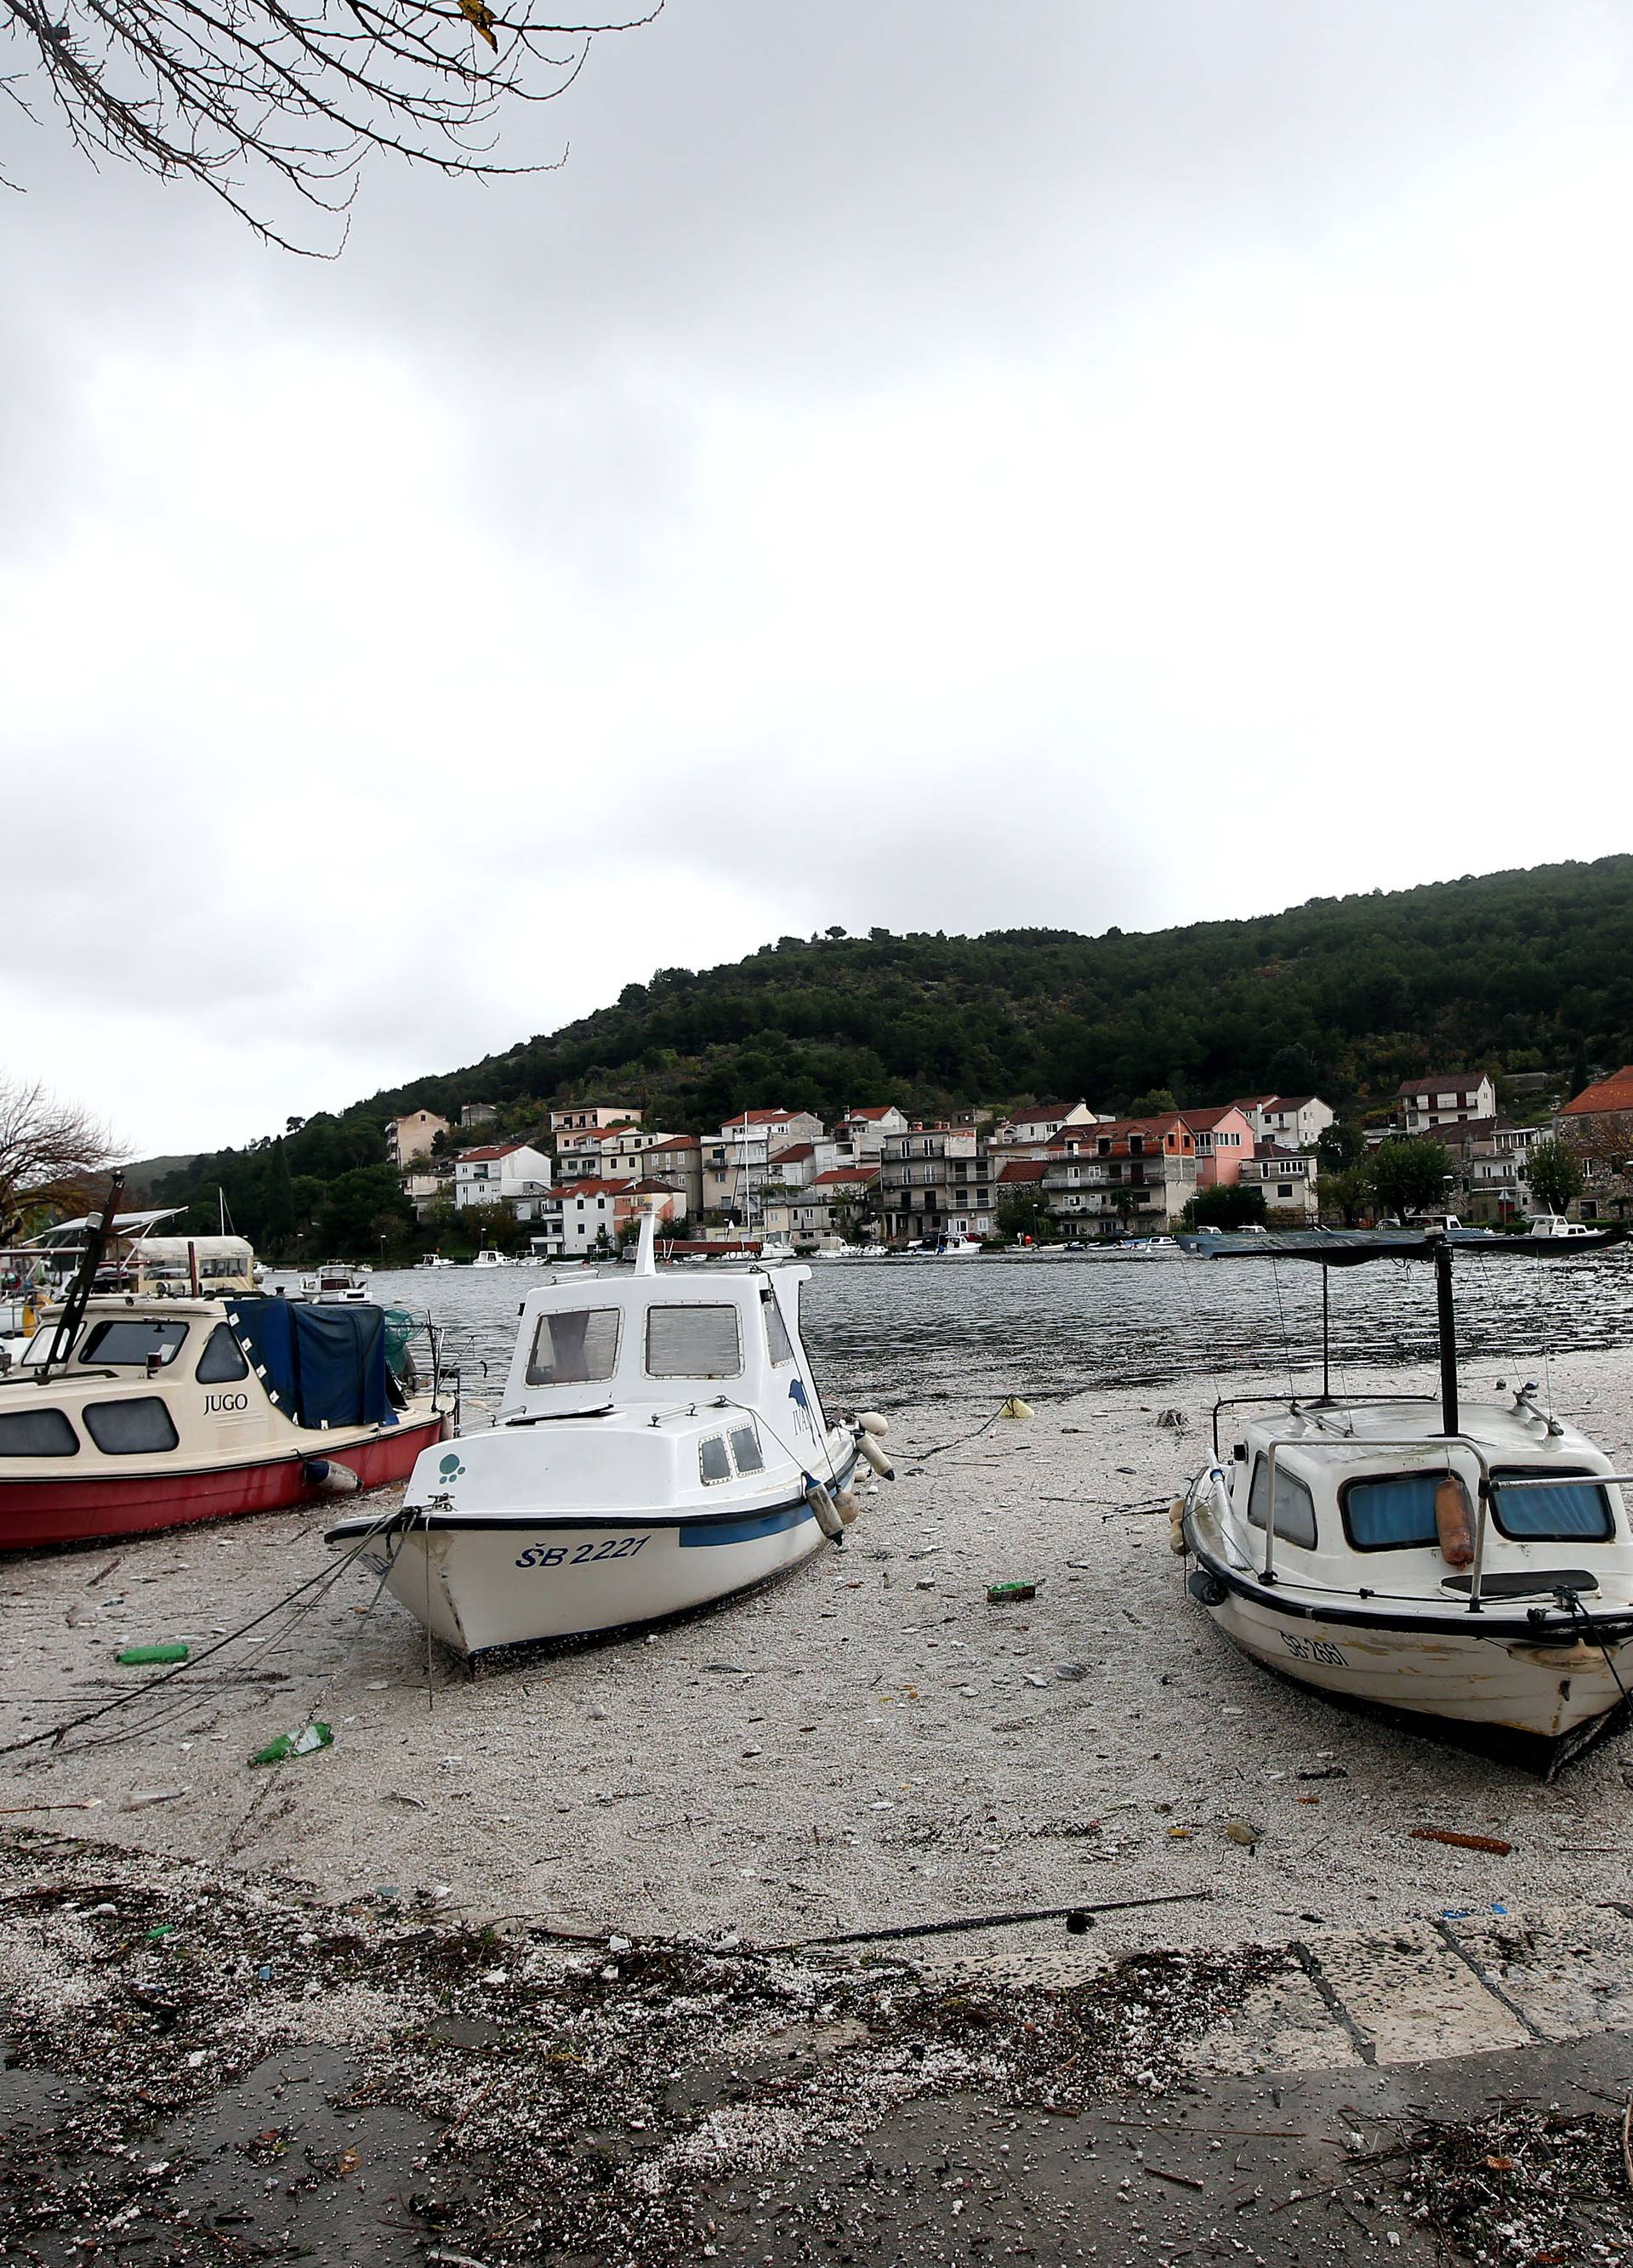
{"x": 696, "y": 1538}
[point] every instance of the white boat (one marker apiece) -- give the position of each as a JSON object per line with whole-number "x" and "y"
{"x": 432, "y": 1260}
{"x": 661, "y": 1445}
{"x": 335, "y": 1284}
{"x": 948, "y": 1247}
{"x": 774, "y": 1252}
{"x": 1466, "y": 1564}
{"x": 489, "y": 1258}
{"x": 1556, "y": 1228}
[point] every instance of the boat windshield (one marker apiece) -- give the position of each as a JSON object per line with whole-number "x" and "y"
{"x": 131, "y": 1339}
{"x": 1550, "y": 1515}
{"x": 576, "y": 1346}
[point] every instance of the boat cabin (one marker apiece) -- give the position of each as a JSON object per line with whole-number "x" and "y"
{"x": 1376, "y": 1499}
{"x": 655, "y": 1339}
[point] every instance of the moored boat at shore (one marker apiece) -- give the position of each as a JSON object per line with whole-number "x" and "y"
{"x": 661, "y": 1445}
{"x": 1470, "y": 1564}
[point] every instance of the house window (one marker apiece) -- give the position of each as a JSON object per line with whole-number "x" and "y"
{"x": 1284, "y": 1189}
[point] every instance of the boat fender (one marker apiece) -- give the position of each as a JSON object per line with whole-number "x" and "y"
{"x": 1219, "y": 1488}
{"x": 823, "y": 1504}
{"x": 870, "y": 1422}
{"x": 875, "y": 1455}
{"x": 1457, "y": 1544}
{"x": 847, "y": 1504}
{"x": 333, "y": 1480}
{"x": 1176, "y": 1526}
{"x": 1207, "y": 1589}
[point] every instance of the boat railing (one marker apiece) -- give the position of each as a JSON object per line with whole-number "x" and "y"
{"x": 1441, "y": 1443}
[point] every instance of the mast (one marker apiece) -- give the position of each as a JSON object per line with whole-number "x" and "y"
{"x": 1447, "y": 1322}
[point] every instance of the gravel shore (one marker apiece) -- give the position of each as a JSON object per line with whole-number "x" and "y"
{"x": 865, "y": 1744}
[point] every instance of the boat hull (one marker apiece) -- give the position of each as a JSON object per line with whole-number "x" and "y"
{"x": 1542, "y": 1703}
{"x": 478, "y": 1585}
{"x": 37, "y": 1513}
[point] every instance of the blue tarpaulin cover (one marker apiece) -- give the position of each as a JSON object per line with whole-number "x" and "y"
{"x": 321, "y": 1366}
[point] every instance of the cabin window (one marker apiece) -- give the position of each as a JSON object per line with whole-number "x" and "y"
{"x": 745, "y": 1448}
{"x": 1554, "y": 1515}
{"x": 222, "y": 1359}
{"x": 1294, "y": 1506}
{"x": 693, "y": 1343}
{"x": 1392, "y": 1513}
{"x": 778, "y": 1346}
{"x": 131, "y": 1339}
{"x": 576, "y": 1346}
{"x": 714, "y": 1464}
{"x": 130, "y": 1429}
{"x": 37, "y": 1434}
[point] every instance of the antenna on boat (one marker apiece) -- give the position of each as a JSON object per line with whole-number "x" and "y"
{"x": 644, "y": 1263}
{"x": 90, "y": 1261}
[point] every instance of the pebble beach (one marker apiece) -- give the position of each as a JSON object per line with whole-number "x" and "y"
{"x": 866, "y": 1744}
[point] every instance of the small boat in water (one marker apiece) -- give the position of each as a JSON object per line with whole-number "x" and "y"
{"x": 948, "y": 1247}
{"x": 335, "y": 1284}
{"x": 1468, "y": 1564}
{"x": 661, "y": 1445}
{"x": 489, "y": 1258}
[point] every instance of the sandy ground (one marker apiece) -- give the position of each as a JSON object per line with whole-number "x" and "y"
{"x": 867, "y": 1743}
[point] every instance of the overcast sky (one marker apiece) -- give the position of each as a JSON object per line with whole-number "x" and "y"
{"x": 1085, "y": 462}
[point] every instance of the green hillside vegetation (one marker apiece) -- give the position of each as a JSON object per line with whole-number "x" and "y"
{"x": 1524, "y": 971}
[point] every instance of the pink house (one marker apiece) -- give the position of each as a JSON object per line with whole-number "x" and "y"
{"x": 1225, "y": 1142}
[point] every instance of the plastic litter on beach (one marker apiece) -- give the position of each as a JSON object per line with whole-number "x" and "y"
{"x": 1491, "y": 1843}
{"x": 1003, "y": 1594}
{"x": 304, "y": 1744}
{"x": 144, "y": 1657}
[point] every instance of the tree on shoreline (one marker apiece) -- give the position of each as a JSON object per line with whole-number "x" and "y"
{"x": 46, "y": 1151}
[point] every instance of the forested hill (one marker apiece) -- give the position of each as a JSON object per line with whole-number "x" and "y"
{"x": 1513, "y": 972}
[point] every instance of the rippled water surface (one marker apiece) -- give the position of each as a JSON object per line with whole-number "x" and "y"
{"x": 896, "y": 1332}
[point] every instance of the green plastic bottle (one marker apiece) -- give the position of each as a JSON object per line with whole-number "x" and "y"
{"x": 316, "y": 1736}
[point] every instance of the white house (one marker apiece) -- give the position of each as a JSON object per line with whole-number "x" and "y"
{"x": 832, "y": 1203}
{"x": 576, "y": 1219}
{"x": 1041, "y": 1122}
{"x": 1296, "y": 1122}
{"x": 583, "y": 1117}
{"x": 862, "y": 1132}
{"x": 410, "y": 1137}
{"x": 1444, "y": 1099}
{"x": 500, "y": 1173}
{"x": 735, "y": 1163}
{"x": 1287, "y": 1179}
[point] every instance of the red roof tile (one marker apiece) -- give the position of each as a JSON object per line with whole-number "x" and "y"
{"x": 1606, "y": 1095}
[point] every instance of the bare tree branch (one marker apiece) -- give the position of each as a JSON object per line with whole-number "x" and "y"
{"x": 261, "y": 99}
{"x": 47, "y": 1149}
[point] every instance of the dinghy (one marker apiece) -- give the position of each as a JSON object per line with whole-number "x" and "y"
{"x": 1469, "y": 1564}
{"x": 661, "y": 1445}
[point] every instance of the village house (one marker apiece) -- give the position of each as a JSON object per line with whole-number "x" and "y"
{"x": 499, "y": 1174}
{"x": 410, "y": 1137}
{"x": 479, "y": 1114}
{"x": 735, "y": 1162}
{"x": 1120, "y": 1175}
{"x": 1225, "y": 1140}
{"x": 798, "y": 1165}
{"x": 678, "y": 1164}
{"x": 1598, "y": 1121}
{"x": 584, "y": 1217}
{"x": 935, "y": 1180}
{"x": 1296, "y": 1122}
{"x": 1287, "y": 1179}
{"x": 1444, "y": 1098}
{"x": 1041, "y": 1122}
{"x": 580, "y": 1117}
{"x": 863, "y": 1132}
{"x": 624, "y": 1150}
{"x": 832, "y": 1203}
